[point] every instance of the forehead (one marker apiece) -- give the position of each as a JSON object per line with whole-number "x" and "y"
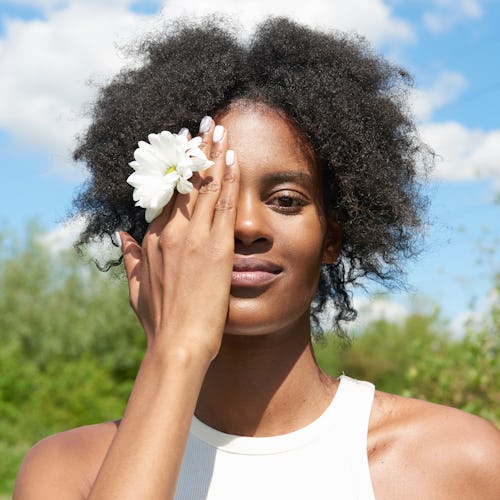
{"x": 263, "y": 138}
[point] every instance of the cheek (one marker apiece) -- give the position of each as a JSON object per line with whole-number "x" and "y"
{"x": 311, "y": 235}
{"x": 305, "y": 251}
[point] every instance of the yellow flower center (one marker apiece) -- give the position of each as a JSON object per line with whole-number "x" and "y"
{"x": 170, "y": 170}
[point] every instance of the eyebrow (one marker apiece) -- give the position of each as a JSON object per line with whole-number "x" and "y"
{"x": 288, "y": 176}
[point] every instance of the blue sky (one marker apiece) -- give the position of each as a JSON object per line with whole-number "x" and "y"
{"x": 49, "y": 49}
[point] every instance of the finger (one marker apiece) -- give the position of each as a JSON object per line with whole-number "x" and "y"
{"x": 206, "y": 130}
{"x": 132, "y": 259}
{"x": 139, "y": 283}
{"x": 178, "y": 202}
{"x": 183, "y": 206}
{"x": 185, "y": 132}
{"x": 211, "y": 185}
{"x": 224, "y": 217}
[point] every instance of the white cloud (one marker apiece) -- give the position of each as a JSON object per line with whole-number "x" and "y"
{"x": 444, "y": 90}
{"x": 64, "y": 235}
{"x": 47, "y": 62}
{"x": 372, "y": 307}
{"x": 50, "y": 5}
{"x": 463, "y": 154}
{"x": 376, "y": 308}
{"x": 46, "y": 65}
{"x": 447, "y": 13}
{"x": 371, "y": 18}
{"x": 384, "y": 307}
{"x": 480, "y": 317}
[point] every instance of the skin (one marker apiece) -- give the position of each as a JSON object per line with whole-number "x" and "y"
{"x": 416, "y": 449}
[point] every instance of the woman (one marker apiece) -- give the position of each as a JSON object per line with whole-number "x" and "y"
{"x": 305, "y": 181}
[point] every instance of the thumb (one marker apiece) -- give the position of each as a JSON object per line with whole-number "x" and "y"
{"x": 132, "y": 260}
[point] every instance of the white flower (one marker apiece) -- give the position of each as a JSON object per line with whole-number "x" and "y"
{"x": 166, "y": 163}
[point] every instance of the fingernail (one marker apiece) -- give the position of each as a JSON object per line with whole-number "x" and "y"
{"x": 184, "y": 131}
{"x": 229, "y": 157}
{"x": 205, "y": 124}
{"x": 218, "y": 133}
{"x": 116, "y": 240}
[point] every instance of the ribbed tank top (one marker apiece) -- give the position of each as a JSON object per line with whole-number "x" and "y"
{"x": 327, "y": 459}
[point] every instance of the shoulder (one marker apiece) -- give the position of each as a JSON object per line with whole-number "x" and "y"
{"x": 436, "y": 450}
{"x": 64, "y": 465}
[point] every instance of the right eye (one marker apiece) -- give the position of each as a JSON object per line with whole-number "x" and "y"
{"x": 287, "y": 202}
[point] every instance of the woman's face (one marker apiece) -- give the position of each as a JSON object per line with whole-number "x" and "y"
{"x": 280, "y": 231}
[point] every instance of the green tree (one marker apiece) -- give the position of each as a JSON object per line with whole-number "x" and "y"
{"x": 71, "y": 346}
{"x": 420, "y": 358}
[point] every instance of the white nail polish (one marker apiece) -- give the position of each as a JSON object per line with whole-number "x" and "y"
{"x": 205, "y": 124}
{"x": 184, "y": 131}
{"x": 116, "y": 240}
{"x": 229, "y": 157}
{"x": 218, "y": 133}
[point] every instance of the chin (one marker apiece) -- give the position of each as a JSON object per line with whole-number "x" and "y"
{"x": 252, "y": 317}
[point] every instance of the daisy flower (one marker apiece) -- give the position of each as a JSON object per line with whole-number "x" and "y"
{"x": 164, "y": 164}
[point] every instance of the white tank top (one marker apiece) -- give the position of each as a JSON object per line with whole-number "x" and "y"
{"x": 327, "y": 459}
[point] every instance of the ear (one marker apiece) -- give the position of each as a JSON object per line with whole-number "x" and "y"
{"x": 132, "y": 260}
{"x": 333, "y": 241}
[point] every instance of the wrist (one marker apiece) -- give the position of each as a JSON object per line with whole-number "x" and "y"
{"x": 181, "y": 357}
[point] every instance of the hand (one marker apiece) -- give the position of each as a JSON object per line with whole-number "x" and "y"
{"x": 179, "y": 280}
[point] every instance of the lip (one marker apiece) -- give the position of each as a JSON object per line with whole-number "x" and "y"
{"x": 251, "y": 272}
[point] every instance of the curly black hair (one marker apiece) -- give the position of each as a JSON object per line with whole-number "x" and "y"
{"x": 348, "y": 102}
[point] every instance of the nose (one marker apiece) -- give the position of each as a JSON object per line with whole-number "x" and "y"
{"x": 251, "y": 230}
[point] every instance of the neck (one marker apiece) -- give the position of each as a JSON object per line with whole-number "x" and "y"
{"x": 265, "y": 385}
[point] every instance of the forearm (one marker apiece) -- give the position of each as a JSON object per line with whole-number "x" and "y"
{"x": 187, "y": 249}
{"x": 146, "y": 454}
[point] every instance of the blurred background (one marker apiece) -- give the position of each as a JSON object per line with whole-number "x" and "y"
{"x": 70, "y": 346}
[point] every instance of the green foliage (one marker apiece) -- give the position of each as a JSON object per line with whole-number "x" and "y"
{"x": 419, "y": 358}
{"x": 71, "y": 347}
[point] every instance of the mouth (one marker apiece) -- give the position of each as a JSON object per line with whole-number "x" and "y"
{"x": 249, "y": 272}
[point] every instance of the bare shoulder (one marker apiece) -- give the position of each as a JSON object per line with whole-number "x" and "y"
{"x": 424, "y": 450}
{"x": 64, "y": 465}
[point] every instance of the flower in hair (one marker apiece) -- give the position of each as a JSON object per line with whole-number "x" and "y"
{"x": 164, "y": 164}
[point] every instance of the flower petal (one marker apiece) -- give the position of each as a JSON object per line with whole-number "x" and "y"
{"x": 152, "y": 213}
{"x": 167, "y": 148}
{"x": 194, "y": 142}
{"x": 148, "y": 160}
{"x": 184, "y": 186}
{"x": 198, "y": 164}
{"x": 153, "y": 186}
